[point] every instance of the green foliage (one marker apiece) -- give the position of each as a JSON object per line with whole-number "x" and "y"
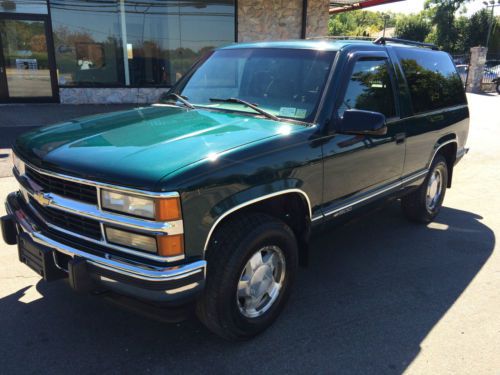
{"x": 413, "y": 27}
{"x": 359, "y": 23}
{"x": 437, "y": 23}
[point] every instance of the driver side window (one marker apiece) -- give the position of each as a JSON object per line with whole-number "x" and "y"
{"x": 369, "y": 88}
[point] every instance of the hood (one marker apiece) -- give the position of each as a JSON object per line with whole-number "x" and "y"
{"x": 139, "y": 147}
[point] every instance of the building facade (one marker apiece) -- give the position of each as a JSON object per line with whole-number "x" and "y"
{"x": 130, "y": 51}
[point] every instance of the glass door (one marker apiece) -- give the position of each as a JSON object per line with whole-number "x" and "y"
{"x": 27, "y": 71}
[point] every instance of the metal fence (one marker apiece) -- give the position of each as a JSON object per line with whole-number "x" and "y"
{"x": 491, "y": 68}
{"x": 462, "y": 63}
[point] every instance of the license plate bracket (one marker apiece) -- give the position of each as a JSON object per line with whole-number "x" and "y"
{"x": 39, "y": 258}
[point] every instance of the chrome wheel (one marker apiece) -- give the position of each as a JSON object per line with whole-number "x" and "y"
{"x": 434, "y": 189}
{"x": 261, "y": 281}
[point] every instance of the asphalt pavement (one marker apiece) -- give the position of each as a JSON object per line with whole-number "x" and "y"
{"x": 380, "y": 296}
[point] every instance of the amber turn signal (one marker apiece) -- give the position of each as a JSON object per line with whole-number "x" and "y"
{"x": 169, "y": 246}
{"x": 168, "y": 209}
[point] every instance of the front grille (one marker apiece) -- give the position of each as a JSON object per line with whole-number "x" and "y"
{"x": 74, "y": 223}
{"x": 68, "y": 189}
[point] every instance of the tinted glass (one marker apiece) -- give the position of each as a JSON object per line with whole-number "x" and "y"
{"x": 432, "y": 79}
{"x": 287, "y": 83}
{"x": 369, "y": 88}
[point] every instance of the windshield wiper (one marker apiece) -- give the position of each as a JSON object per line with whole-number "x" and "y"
{"x": 180, "y": 98}
{"x": 246, "y": 104}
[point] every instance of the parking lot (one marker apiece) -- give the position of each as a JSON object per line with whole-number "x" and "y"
{"x": 380, "y": 296}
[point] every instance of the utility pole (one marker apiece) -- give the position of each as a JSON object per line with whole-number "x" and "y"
{"x": 491, "y": 5}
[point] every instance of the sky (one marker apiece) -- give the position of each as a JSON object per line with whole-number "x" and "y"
{"x": 415, "y": 6}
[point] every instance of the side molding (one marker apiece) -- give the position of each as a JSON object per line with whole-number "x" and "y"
{"x": 252, "y": 201}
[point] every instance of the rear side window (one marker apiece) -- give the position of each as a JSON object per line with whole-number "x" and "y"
{"x": 432, "y": 79}
{"x": 369, "y": 88}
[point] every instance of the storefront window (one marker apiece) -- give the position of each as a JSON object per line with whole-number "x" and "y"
{"x": 135, "y": 42}
{"x": 87, "y": 42}
{"x": 23, "y": 6}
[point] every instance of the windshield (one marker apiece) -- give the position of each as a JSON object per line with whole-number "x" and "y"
{"x": 284, "y": 82}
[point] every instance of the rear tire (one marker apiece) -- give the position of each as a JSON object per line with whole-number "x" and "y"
{"x": 424, "y": 204}
{"x": 251, "y": 266}
{"x": 498, "y": 87}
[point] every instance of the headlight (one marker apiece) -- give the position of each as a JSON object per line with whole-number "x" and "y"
{"x": 160, "y": 209}
{"x": 163, "y": 245}
{"x": 18, "y": 164}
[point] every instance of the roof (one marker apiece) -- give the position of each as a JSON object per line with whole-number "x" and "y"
{"x": 318, "y": 44}
{"x": 325, "y": 44}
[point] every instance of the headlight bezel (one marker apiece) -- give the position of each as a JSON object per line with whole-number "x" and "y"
{"x": 162, "y": 245}
{"x": 127, "y": 239}
{"x": 107, "y": 196}
{"x": 160, "y": 208}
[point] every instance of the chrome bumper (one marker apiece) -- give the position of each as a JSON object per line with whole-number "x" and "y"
{"x": 126, "y": 277}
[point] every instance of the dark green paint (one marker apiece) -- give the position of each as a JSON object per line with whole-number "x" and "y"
{"x": 138, "y": 148}
{"x": 218, "y": 160}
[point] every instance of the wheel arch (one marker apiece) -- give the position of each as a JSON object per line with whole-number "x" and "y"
{"x": 292, "y": 206}
{"x": 446, "y": 146}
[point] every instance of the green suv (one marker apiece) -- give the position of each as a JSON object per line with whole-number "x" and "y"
{"x": 212, "y": 195}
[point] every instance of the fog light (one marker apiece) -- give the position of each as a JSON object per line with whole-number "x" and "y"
{"x": 133, "y": 240}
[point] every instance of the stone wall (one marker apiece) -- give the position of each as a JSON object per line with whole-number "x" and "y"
{"x": 280, "y": 19}
{"x": 476, "y": 69}
{"x": 110, "y": 95}
{"x": 317, "y": 18}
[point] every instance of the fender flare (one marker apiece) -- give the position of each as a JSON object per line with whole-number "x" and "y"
{"x": 439, "y": 146}
{"x": 254, "y": 201}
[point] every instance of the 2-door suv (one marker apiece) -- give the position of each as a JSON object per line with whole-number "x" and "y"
{"x": 211, "y": 196}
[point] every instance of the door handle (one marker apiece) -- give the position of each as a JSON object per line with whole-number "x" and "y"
{"x": 400, "y": 138}
{"x": 436, "y": 118}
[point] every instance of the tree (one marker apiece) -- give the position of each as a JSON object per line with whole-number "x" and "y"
{"x": 477, "y": 31}
{"x": 359, "y": 23}
{"x": 443, "y": 17}
{"x": 413, "y": 27}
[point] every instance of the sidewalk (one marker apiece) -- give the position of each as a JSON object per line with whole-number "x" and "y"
{"x": 16, "y": 119}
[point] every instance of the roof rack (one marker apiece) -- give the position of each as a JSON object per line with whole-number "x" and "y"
{"x": 340, "y": 37}
{"x": 383, "y": 40}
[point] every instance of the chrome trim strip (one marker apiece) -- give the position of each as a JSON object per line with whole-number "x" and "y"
{"x": 392, "y": 186}
{"x": 93, "y": 212}
{"x": 252, "y": 201}
{"x": 117, "y": 247}
{"x": 105, "y": 243}
{"x": 102, "y": 184}
{"x": 414, "y": 177}
{"x": 135, "y": 270}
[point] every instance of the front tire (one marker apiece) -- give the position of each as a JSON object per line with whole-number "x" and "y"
{"x": 252, "y": 263}
{"x": 498, "y": 87}
{"x": 424, "y": 204}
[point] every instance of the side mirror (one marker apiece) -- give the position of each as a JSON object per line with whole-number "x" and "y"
{"x": 356, "y": 121}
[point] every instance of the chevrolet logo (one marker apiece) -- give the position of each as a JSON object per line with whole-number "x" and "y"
{"x": 42, "y": 198}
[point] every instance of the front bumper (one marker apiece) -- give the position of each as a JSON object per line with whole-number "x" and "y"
{"x": 174, "y": 284}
